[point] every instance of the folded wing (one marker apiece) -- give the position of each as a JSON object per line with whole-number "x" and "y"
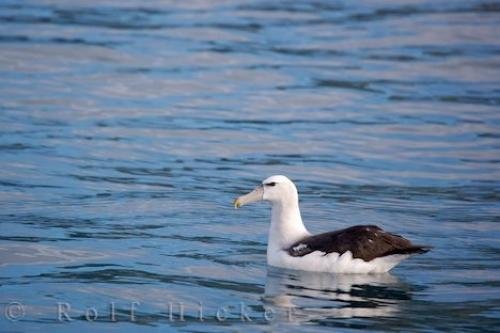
{"x": 366, "y": 242}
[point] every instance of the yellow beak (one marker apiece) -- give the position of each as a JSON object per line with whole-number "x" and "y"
{"x": 255, "y": 195}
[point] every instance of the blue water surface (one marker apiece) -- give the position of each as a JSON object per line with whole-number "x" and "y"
{"x": 128, "y": 127}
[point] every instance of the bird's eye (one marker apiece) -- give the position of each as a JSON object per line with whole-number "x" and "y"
{"x": 270, "y": 184}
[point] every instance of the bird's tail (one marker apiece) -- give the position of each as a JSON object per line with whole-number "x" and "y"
{"x": 414, "y": 249}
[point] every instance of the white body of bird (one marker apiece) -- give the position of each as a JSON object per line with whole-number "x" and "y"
{"x": 287, "y": 229}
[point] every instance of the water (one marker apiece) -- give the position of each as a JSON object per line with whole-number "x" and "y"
{"x": 128, "y": 127}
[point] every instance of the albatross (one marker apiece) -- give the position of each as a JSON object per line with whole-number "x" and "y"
{"x": 357, "y": 249}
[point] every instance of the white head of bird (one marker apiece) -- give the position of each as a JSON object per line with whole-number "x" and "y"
{"x": 286, "y": 221}
{"x": 278, "y": 189}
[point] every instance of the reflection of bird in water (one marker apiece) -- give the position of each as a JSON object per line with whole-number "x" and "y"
{"x": 358, "y": 249}
{"x": 305, "y": 296}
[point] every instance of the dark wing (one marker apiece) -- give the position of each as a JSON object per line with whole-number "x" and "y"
{"x": 366, "y": 242}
